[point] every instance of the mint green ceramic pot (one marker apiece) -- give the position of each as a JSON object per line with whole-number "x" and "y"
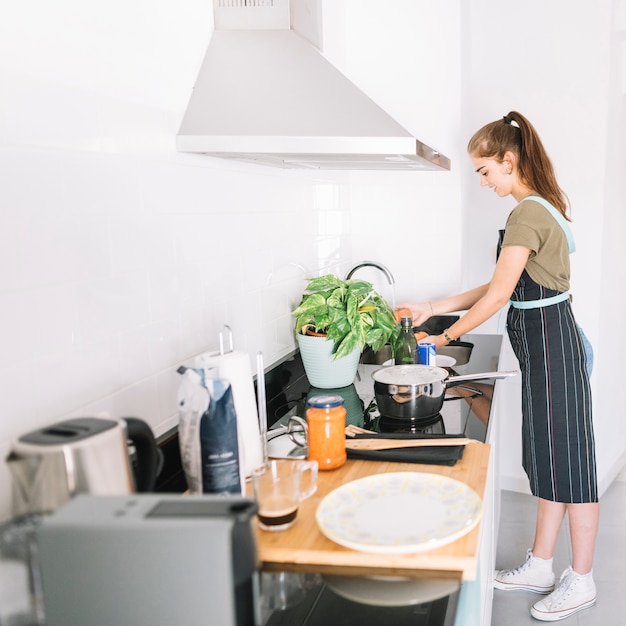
{"x": 322, "y": 369}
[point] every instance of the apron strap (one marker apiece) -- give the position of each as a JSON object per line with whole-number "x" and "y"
{"x": 562, "y": 222}
{"x": 559, "y": 218}
{"x": 537, "y": 304}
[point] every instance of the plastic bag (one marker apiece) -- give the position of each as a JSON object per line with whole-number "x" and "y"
{"x": 207, "y": 433}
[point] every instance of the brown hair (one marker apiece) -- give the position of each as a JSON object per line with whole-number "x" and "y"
{"x": 515, "y": 133}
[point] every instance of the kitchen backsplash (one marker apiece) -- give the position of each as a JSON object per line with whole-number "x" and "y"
{"x": 121, "y": 258}
{"x": 115, "y": 269}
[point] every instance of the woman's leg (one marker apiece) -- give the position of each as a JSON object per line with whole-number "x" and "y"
{"x": 536, "y": 573}
{"x": 549, "y": 519}
{"x": 583, "y": 520}
{"x": 583, "y": 524}
{"x": 576, "y": 589}
{"x": 481, "y": 405}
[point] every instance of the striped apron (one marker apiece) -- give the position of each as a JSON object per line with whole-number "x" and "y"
{"x": 557, "y": 432}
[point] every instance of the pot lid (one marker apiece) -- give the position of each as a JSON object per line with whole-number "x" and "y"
{"x": 409, "y": 374}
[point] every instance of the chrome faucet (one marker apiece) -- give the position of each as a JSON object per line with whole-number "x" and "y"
{"x": 378, "y": 266}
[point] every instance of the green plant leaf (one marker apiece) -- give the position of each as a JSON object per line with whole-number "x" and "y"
{"x": 324, "y": 283}
{"x": 350, "y": 312}
{"x": 347, "y": 345}
{"x": 315, "y": 304}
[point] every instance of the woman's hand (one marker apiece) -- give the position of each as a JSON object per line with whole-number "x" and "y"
{"x": 419, "y": 311}
{"x": 438, "y": 340}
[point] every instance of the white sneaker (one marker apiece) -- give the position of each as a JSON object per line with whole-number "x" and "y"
{"x": 574, "y": 593}
{"x": 534, "y": 575}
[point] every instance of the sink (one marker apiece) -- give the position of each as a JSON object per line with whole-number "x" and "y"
{"x": 458, "y": 350}
{"x": 369, "y": 357}
{"x": 436, "y": 324}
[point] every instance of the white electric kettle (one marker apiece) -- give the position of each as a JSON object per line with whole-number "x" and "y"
{"x": 82, "y": 455}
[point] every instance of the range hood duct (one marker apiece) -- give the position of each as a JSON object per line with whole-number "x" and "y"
{"x": 266, "y": 95}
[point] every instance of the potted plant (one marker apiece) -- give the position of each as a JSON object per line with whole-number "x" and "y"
{"x": 340, "y": 318}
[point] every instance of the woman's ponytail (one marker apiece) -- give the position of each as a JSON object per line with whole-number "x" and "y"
{"x": 516, "y": 134}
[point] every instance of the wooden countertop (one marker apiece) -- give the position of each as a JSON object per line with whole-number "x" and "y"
{"x": 303, "y": 547}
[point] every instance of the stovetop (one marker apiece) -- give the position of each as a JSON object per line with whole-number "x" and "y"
{"x": 456, "y": 417}
{"x": 287, "y": 390}
{"x": 320, "y": 604}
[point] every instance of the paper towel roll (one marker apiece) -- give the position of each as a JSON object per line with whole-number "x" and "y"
{"x": 235, "y": 367}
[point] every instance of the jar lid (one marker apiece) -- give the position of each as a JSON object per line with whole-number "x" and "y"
{"x": 325, "y": 402}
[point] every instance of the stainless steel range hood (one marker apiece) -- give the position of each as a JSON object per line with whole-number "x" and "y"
{"x": 266, "y": 95}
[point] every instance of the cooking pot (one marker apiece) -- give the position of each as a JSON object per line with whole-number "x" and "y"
{"x": 418, "y": 391}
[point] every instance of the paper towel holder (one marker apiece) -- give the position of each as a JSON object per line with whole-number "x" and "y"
{"x": 230, "y": 339}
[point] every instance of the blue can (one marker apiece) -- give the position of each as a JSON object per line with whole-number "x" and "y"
{"x": 426, "y": 353}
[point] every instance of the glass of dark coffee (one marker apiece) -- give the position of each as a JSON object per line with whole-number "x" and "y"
{"x": 279, "y": 487}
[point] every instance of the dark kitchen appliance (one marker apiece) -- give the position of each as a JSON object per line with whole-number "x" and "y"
{"x": 82, "y": 455}
{"x": 150, "y": 559}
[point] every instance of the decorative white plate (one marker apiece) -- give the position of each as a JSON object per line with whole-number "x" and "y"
{"x": 390, "y": 591}
{"x": 399, "y": 513}
{"x": 282, "y": 447}
{"x": 443, "y": 360}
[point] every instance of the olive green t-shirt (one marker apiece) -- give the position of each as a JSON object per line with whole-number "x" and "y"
{"x": 531, "y": 225}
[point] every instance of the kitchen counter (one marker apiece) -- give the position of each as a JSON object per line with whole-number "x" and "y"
{"x": 303, "y": 547}
{"x": 468, "y": 560}
{"x": 287, "y": 389}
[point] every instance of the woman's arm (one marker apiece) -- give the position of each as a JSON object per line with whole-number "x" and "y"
{"x": 481, "y": 302}
{"x": 421, "y": 311}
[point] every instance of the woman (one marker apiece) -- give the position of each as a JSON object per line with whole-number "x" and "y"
{"x": 533, "y": 272}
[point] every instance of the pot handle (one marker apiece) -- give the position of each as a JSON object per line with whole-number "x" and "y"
{"x": 475, "y": 393}
{"x": 147, "y": 453}
{"x": 457, "y": 380}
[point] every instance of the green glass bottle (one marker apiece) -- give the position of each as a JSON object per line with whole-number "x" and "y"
{"x": 406, "y": 343}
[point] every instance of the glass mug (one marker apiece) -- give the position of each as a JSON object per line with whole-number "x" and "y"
{"x": 279, "y": 487}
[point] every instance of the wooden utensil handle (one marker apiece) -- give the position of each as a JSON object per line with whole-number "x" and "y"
{"x": 388, "y": 444}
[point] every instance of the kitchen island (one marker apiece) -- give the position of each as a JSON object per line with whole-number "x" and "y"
{"x": 303, "y": 547}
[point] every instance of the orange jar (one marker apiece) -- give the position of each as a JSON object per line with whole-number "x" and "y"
{"x": 326, "y": 426}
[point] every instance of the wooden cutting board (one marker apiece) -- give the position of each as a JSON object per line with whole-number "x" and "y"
{"x": 378, "y": 443}
{"x": 303, "y": 547}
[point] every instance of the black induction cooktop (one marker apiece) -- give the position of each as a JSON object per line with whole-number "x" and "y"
{"x": 287, "y": 392}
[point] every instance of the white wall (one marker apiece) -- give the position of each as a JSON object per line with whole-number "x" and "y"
{"x": 120, "y": 258}
{"x": 406, "y": 56}
{"x": 559, "y": 64}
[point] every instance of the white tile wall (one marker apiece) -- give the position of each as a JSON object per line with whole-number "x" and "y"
{"x": 102, "y": 301}
{"x": 120, "y": 258}
{"x": 115, "y": 269}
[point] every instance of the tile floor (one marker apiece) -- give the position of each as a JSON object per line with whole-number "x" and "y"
{"x": 516, "y": 533}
